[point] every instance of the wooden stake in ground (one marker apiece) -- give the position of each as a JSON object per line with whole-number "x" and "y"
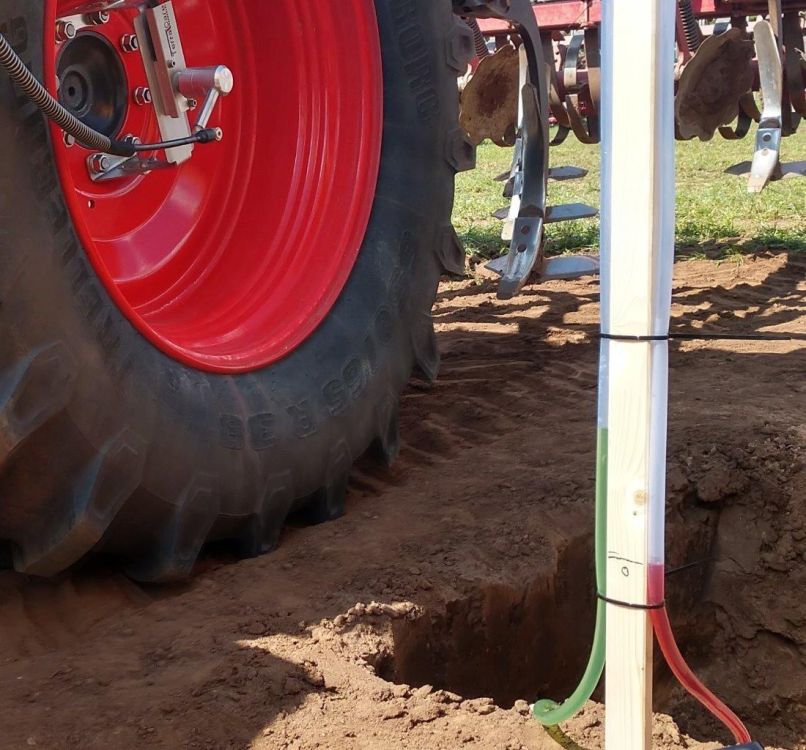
{"x": 637, "y": 253}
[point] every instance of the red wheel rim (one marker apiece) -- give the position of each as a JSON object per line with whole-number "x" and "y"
{"x": 229, "y": 261}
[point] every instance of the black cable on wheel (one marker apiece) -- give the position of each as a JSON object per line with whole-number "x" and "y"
{"x": 84, "y": 135}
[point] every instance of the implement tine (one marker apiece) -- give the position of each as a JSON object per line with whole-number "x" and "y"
{"x": 766, "y": 159}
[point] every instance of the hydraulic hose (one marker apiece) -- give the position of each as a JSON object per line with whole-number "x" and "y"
{"x": 84, "y": 135}
{"x": 548, "y": 712}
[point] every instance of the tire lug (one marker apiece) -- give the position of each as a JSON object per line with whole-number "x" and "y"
{"x": 65, "y": 30}
{"x": 142, "y": 96}
{"x": 327, "y": 503}
{"x": 129, "y": 43}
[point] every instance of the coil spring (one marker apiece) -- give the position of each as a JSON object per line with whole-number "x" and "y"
{"x": 478, "y": 38}
{"x": 690, "y": 25}
{"x": 34, "y": 91}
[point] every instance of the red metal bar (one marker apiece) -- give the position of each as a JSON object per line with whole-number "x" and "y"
{"x": 717, "y": 8}
{"x": 732, "y": 7}
{"x": 563, "y": 15}
{"x": 556, "y": 15}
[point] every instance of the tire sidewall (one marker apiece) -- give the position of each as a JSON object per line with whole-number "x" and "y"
{"x": 298, "y": 424}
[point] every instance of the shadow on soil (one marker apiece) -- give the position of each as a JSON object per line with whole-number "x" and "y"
{"x": 498, "y": 641}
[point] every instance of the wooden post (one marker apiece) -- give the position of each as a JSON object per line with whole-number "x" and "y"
{"x": 637, "y": 253}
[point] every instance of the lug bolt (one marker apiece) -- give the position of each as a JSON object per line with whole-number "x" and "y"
{"x": 129, "y": 43}
{"x": 69, "y": 140}
{"x": 65, "y": 30}
{"x": 98, "y": 18}
{"x": 99, "y": 163}
{"x": 142, "y": 95}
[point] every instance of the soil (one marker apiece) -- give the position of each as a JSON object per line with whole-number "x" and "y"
{"x": 459, "y": 584}
{"x": 490, "y": 99}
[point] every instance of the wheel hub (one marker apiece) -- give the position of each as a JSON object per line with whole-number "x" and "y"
{"x": 92, "y": 82}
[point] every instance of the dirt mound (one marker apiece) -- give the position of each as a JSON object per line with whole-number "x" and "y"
{"x": 460, "y": 583}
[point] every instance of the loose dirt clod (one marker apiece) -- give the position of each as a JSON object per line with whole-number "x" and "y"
{"x": 470, "y": 592}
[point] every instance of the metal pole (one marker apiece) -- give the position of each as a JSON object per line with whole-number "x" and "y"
{"x": 638, "y": 196}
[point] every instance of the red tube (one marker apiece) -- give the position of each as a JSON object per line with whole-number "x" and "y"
{"x": 676, "y": 662}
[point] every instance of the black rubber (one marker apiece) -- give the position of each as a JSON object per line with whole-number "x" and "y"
{"x": 106, "y": 444}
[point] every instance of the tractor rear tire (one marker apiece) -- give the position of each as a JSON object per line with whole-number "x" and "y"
{"x": 110, "y": 445}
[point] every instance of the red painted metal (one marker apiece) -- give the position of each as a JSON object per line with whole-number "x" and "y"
{"x": 229, "y": 261}
{"x": 726, "y": 8}
{"x": 565, "y": 15}
{"x": 568, "y": 14}
{"x": 556, "y": 16}
{"x": 574, "y": 12}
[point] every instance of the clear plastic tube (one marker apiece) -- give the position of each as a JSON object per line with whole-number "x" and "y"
{"x": 676, "y": 662}
{"x": 547, "y": 712}
{"x": 662, "y": 293}
{"x": 659, "y": 410}
{"x": 657, "y": 453}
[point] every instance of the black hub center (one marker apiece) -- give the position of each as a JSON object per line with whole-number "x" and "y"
{"x": 92, "y": 83}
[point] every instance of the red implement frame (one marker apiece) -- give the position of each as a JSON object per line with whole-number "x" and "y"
{"x": 564, "y": 15}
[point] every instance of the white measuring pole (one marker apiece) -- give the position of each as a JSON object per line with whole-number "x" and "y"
{"x": 638, "y": 198}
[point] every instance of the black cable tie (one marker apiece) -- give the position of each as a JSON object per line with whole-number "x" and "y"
{"x": 628, "y": 338}
{"x": 689, "y": 566}
{"x": 696, "y": 336}
{"x": 693, "y": 336}
{"x": 628, "y": 605}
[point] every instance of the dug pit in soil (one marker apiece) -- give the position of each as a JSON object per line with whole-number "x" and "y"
{"x": 513, "y": 643}
{"x": 502, "y": 642}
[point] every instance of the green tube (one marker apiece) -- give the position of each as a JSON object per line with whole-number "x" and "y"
{"x": 547, "y": 712}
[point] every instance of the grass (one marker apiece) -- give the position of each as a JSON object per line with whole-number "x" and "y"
{"x": 716, "y": 217}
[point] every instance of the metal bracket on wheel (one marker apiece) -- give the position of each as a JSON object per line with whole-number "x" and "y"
{"x": 174, "y": 89}
{"x": 164, "y": 57}
{"x": 530, "y": 167}
{"x": 117, "y": 167}
{"x": 766, "y": 159}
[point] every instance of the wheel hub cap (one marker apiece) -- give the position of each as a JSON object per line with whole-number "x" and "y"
{"x": 93, "y": 82}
